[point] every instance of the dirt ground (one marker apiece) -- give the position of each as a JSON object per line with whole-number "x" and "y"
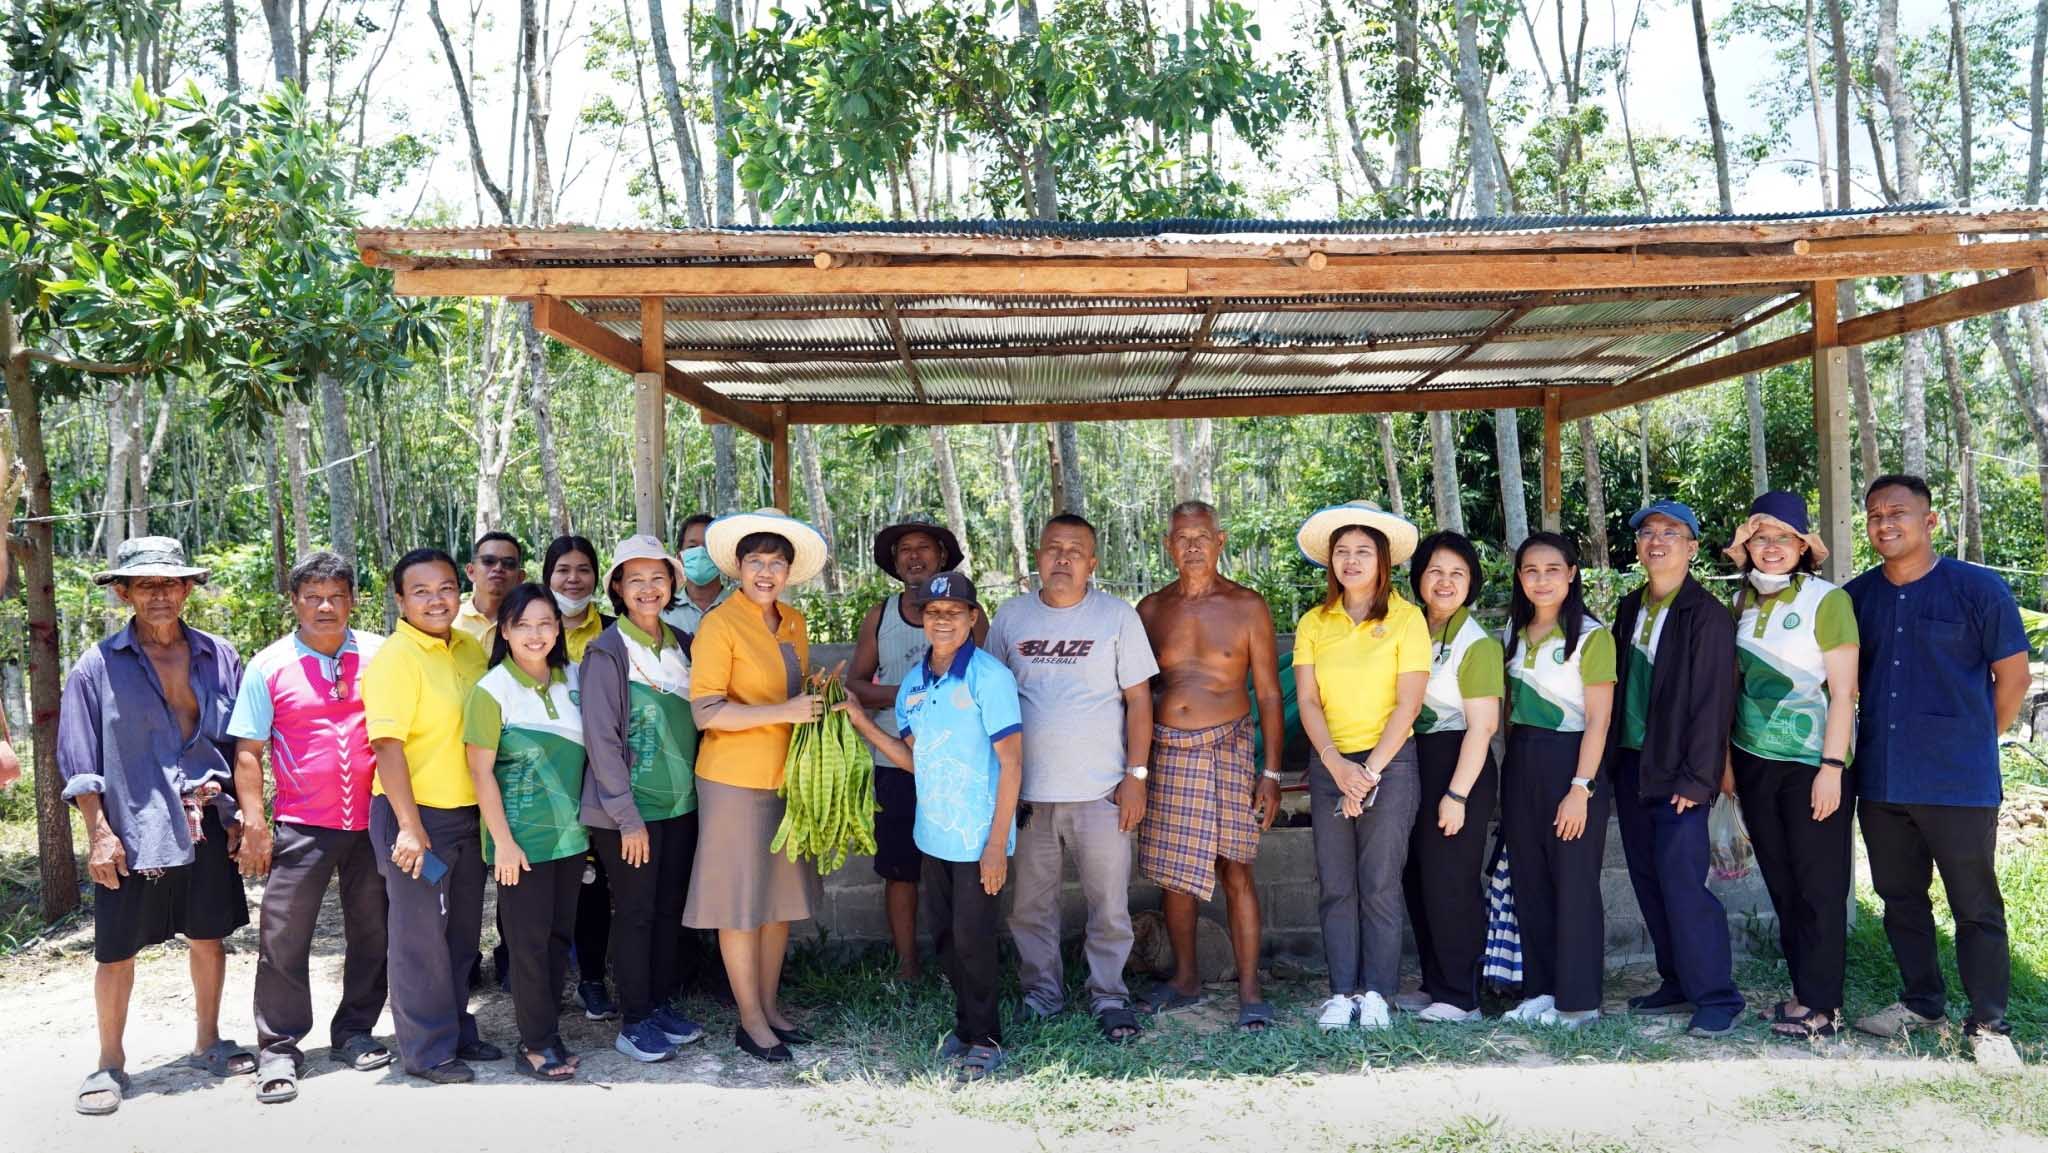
{"x": 1768, "y": 1097}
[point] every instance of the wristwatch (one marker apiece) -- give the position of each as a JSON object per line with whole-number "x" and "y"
{"x": 1269, "y": 774}
{"x": 1137, "y": 772}
{"x": 1585, "y": 783}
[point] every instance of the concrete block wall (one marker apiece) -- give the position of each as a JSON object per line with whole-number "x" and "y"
{"x": 853, "y": 911}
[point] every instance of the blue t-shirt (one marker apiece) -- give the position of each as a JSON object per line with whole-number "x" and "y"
{"x": 1927, "y": 731}
{"x": 957, "y": 716}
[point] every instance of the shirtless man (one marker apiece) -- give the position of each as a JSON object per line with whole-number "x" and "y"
{"x": 1209, "y": 802}
{"x": 143, "y": 746}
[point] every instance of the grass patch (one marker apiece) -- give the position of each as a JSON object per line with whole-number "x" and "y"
{"x": 2002, "y": 1104}
{"x": 1470, "y": 1134}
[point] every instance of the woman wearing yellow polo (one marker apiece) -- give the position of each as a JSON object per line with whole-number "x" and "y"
{"x": 1361, "y": 664}
{"x": 424, "y": 819}
{"x": 746, "y": 690}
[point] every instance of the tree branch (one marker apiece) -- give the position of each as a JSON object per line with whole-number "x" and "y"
{"x": 76, "y": 364}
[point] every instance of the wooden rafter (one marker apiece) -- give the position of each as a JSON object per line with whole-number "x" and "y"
{"x": 556, "y": 318}
{"x": 1198, "y": 343}
{"x": 1506, "y": 321}
{"x": 895, "y": 323}
{"x": 1287, "y": 404}
{"x": 1720, "y": 337}
{"x": 2009, "y": 291}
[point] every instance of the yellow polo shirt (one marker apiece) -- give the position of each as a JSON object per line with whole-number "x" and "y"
{"x": 736, "y": 657}
{"x": 1356, "y": 666}
{"x": 578, "y": 637}
{"x": 414, "y": 690}
{"x": 480, "y": 628}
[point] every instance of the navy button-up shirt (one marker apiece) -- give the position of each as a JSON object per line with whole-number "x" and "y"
{"x": 1927, "y": 729}
{"x": 116, "y": 737}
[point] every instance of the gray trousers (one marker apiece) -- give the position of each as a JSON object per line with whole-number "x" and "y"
{"x": 1102, "y": 857}
{"x": 433, "y": 934}
{"x": 302, "y": 861}
{"x": 1358, "y": 876}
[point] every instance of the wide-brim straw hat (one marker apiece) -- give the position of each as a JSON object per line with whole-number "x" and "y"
{"x": 722, "y": 541}
{"x": 150, "y": 556}
{"x": 642, "y": 547}
{"x": 885, "y": 545}
{"x": 1314, "y": 537}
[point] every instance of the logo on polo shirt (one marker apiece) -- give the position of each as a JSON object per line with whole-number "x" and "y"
{"x": 1791, "y": 620}
{"x": 1557, "y": 655}
{"x": 1055, "y": 652}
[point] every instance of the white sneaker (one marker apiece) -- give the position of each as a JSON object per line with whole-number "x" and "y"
{"x": 1569, "y": 1018}
{"x": 1336, "y": 1014}
{"x": 1372, "y": 1011}
{"x": 1442, "y": 1011}
{"x": 1414, "y": 1001}
{"x": 1531, "y": 1011}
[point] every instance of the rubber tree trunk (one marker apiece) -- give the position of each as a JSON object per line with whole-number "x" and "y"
{"x": 1390, "y": 462}
{"x": 341, "y": 479}
{"x": 1006, "y": 440}
{"x": 820, "y": 509}
{"x": 56, "y": 865}
{"x": 1443, "y": 446}
{"x": 725, "y": 471}
{"x": 1966, "y": 448}
{"x": 1596, "y": 495}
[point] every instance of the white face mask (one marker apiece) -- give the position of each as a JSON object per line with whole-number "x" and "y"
{"x": 1768, "y": 583}
{"x": 570, "y": 606}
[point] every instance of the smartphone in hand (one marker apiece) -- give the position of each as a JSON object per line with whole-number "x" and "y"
{"x": 432, "y": 868}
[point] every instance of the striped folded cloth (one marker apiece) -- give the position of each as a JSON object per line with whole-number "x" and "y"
{"x": 1503, "y": 967}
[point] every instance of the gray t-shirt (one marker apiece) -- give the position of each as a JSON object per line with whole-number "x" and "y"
{"x": 1072, "y": 666}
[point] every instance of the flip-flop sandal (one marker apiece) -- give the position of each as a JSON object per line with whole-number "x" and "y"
{"x": 1814, "y": 1025}
{"x": 1167, "y": 999}
{"x": 1776, "y": 1014}
{"x": 1254, "y": 1016}
{"x": 552, "y": 1068}
{"x": 981, "y": 1062}
{"x": 101, "y": 1093}
{"x": 224, "y": 1058}
{"x": 1119, "y": 1025}
{"x": 362, "y": 1053}
{"x": 277, "y": 1087}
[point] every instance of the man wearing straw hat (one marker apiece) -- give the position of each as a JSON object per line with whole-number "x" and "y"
{"x": 143, "y": 746}
{"x": 891, "y": 643}
{"x": 1207, "y": 799}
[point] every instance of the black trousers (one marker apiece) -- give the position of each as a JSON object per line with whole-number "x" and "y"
{"x": 647, "y": 911}
{"x": 1907, "y": 843}
{"x": 302, "y": 861}
{"x": 593, "y": 920}
{"x": 537, "y": 916}
{"x": 432, "y": 933}
{"x": 1445, "y": 892}
{"x": 1807, "y": 869}
{"x": 1557, "y": 882}
{"x": 968, "y": 949}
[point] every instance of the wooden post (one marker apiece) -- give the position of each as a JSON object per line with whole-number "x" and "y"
{"x": 1835, "y": 521}
{"x": 1553, "y": 462}
{"x": 778, "y": 466}
{"x": 650, "y": 423}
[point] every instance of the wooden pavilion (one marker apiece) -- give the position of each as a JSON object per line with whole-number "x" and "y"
{"x": 1024, "y": 321}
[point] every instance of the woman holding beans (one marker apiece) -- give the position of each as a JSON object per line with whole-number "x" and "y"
{"x": 746, "y": 693}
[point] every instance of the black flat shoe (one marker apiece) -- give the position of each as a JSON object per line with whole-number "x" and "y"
{"x": 448, "y": 1073}
{"x": 773, "y": 1054}
{"x": 480, "y": 1051}
{"x": 794, "y": 1035}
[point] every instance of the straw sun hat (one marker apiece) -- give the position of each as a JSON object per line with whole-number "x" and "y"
{"x": 1314, "y": 537}
{"x": 722, "y": 541}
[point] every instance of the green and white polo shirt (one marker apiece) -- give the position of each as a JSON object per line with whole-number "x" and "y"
{"x": 537, "y": 732}
{"x": 1782, "y": 711}
{"x": 1550, "y": 687}
{"x": 1464, "y": 664}
{"x": 1642, "y": 661}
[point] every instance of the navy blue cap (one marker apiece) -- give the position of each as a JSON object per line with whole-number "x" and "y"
{"x": 947, "y": 586}
{"x": 1782, "y": 506}
{"x": 1676, "y": 510}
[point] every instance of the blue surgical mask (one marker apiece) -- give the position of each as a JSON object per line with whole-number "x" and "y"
{"x": 698, "y": 567}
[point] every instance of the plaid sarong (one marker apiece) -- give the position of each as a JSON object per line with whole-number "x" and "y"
{"x": 1198, "y": 805}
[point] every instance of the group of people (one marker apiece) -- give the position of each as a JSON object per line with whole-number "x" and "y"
{"x": 607, "y": 744}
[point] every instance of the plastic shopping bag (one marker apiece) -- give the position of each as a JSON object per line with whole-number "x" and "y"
{"x": 1728, "y": 837}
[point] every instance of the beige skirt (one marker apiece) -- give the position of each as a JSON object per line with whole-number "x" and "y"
{"x": 736, "y": 883}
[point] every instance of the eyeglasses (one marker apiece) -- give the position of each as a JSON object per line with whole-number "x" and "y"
{"x": 508, "y": 562}
{"x": 1777, "y": 540}
{"x": 1663, "y": 535}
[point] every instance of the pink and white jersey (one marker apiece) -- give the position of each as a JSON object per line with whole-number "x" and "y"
{"x": 308, "y": 706}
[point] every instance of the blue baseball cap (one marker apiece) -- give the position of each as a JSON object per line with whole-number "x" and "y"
{"x": 1676, "y": 510}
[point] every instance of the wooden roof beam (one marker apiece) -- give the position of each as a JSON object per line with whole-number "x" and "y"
{"x": 2009, "y": 291}
{"x": 556, "y": 318}
{"x": 1290, "y": 404}
{"x": 1199, "y": 343}
{"x": 895, "y": 323}
{"x": 1499, "y": 326}
{"x": 1435, "y": 276}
